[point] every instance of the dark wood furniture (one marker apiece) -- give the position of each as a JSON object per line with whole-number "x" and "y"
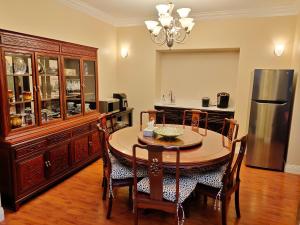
{"x": 107, "y": 168}
{"x": 230, "y": 129}
{"x": 230, "y": 181}
{"x": 215, "y": 117}
{"x": 152, "y": 116}
{"x": 155, "y": 200}
{"x": 119, "y": 120}
{"x": 196, "y": 117}
{"x": 210, "y": 153}
{"x": 48, "y": 114}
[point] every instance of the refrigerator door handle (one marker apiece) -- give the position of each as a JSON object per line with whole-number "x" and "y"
{"x": 271, "y": 102}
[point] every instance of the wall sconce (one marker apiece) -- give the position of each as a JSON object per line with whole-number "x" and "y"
{"x": 279, "y": 49}
{"x": 124, "y": 52}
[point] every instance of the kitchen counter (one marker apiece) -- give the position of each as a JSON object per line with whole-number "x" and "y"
{"x": 193, "y": 104}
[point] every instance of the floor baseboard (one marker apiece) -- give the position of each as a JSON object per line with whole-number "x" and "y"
{"x": 290, "y": 168}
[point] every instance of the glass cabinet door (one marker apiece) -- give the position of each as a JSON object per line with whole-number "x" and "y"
{"x": 49, "y": 88}
{"x": 73, "y": 86}
{"x": 89, "y": 86}
{"x": 20, "y": 89}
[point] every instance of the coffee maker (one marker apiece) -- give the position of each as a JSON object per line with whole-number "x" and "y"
{"x": 123, "y": 100}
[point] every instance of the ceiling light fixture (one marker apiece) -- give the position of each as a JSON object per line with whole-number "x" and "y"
{"x": 169, "y": 30}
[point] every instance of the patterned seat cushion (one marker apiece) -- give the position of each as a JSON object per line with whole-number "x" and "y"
{"x": 211, "y": 178}
{"x": 121, "y": 171}
{"x": 186, "y": 187}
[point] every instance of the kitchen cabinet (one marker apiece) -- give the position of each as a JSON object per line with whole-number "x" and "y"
{"x": 174, "y": 115}
{"x": 49, "y": 111}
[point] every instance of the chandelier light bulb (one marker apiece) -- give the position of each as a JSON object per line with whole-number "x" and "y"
{"x": 156, "y": 30}
{"x": 186, "y": 22}
{"x": 190, "y": 27}
{"x": 151, "y": 24}
{"x": 162, "y": 9}
{"x": 165, "y": 20}
{"x": 183, "y": 12}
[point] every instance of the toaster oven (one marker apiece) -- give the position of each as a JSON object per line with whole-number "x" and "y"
{"x": 109, "y": 105}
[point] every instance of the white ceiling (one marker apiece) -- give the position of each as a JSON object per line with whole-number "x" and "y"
{"x": 134, "y": 12}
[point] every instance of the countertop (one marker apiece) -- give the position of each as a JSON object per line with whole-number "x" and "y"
{"x": 193, "y": 104}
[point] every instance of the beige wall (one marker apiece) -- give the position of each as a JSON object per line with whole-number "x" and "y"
{"x": 294, "y": 143}
{"x": 199, "y": 69}
{"x": 49, "y": 18}
{"x": 137, "y": 74}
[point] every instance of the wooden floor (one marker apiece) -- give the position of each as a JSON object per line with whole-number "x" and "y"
{"x": 267, "y": 198}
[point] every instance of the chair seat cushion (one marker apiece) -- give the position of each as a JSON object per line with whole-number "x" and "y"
{"x": 211, "y": 178}
{"x": 121, "y": 171}
{"x": 186, "y": 187}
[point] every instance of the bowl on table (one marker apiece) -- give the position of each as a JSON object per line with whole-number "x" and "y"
{"x": 168, "y": 132}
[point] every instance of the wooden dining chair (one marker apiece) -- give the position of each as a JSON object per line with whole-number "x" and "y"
{"x": 230, "y": 130}
{"x": 222, "y": 182}
{"x": 196, "y": 117}
{"x": 160, "y": 191}
{"x": 152, "y": 115}
{"x": 115, "y": 174}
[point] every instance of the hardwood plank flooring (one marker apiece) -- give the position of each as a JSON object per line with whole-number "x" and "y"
{"x": 266, "y": 198}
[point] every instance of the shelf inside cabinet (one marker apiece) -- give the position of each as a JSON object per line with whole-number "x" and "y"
{"x": 49, "y": 99}
{"x": 89, "y": 75}
{"x": 19, "y": 75}
{"x": 48, "y": 75}
{"x": 20, "y": 102}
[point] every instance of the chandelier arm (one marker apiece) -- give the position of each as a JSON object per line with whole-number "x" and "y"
{"x": 181, "y": 41}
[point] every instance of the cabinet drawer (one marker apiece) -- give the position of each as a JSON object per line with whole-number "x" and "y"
{"x": 56, "y": 138}
{"x": 30, "y": 173}
{"x": 81, "y": 130}
{"x": 30, "y": 148}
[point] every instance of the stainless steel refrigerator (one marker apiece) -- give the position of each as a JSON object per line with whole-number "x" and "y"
{"x": 269, "y": 122}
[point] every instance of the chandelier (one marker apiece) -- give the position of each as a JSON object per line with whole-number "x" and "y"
{"x": 170, "y": 29}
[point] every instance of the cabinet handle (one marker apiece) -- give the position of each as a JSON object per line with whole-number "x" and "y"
{"x": 46, "y": 162}
{"x": 49, "y": 163}
{"x": 90, "y": 143}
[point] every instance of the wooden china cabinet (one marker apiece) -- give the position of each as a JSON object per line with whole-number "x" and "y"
{"x": 48, "y": 113}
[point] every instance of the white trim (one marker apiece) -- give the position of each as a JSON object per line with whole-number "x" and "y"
{"x": 283, "y": 10}
{"x": 1, "y": 211}
{"x": 92, "y": 11}
{"x": 290, "y": 168}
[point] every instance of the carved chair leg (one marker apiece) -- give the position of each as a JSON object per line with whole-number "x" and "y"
{"x": 237, "y": 202}
{"x": 176, "y": 219}
{"x": 224, "y": 211}
{"x": 108, "y": 215}
{"x": 104, "y": 191}
{"x": 130, "y": 201}
{"x": 136, "y": 216}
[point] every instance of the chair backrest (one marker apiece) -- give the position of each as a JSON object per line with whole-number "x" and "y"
{"x": 232, "y": 173}
{"x": 152, "y": 116}
{"x": 197, "y": 116}
{"x": 104, "y": 137}
{"x": 230, "y": 130}
{"x": 155, "y": 169}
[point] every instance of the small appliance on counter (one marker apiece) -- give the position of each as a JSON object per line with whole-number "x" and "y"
{"x": 222, "y": 100}
{"x": 205, "y": 102}
{"x": 123, "y": 100}
{"x": 109, "y": 105}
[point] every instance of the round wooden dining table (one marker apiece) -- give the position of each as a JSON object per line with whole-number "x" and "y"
{"x": 211, "y": 149}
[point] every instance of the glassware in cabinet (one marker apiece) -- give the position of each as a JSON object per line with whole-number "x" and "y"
{"x": 49, "y": 88}
{"x": 20, "y": 89}
{"x": 89, "y": 86}
{"x": 73, "y": 86}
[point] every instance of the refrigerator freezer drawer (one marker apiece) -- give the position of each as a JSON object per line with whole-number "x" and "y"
{"x": 272, "y": 85}
{"x": 268, "y": 134}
